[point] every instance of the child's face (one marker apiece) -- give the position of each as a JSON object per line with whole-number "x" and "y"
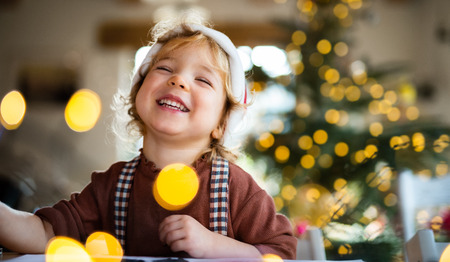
{"x": 182, "y": 96}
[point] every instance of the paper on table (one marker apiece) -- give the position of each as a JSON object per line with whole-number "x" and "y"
{"x": 41, "y": 258}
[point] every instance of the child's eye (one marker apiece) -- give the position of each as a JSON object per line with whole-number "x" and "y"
{"x": 204, "y": 81}
{"x": 164, "y": 68}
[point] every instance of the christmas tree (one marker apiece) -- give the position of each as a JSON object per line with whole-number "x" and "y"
{"x": 337, "y": 154}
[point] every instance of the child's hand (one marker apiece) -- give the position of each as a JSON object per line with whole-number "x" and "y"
{"x": 184, "y": 233}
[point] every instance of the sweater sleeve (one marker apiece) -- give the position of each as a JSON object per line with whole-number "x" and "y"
{"x": 85, "y": 212}
{"x": 255, "y": 220}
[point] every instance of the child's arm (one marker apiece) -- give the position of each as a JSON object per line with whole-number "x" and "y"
{"x": 184, "y": 233}
{"x": 23, "y": 232}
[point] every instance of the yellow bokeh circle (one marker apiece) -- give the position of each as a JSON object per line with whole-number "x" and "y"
{"x": 320, "y": 136}
{"x": 324, "y": 46}
{"x": 307, "y": 161}
{"x": 104, "y": 247}
{"x": 341, "y": 149}
{"x": 176, "y": 186}
{"x": 67, "y": 250}
{"x": 83, "y": 110}
{"x": 282, "y": 154}
{"x": 12, "y": 110}
{"x": 271, "y": 258}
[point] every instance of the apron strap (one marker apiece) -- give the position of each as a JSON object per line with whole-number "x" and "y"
{"x": 218, "y": 196}
{"x": 122, "y": 195}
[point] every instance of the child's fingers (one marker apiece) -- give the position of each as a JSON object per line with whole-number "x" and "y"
{"x": 178, "y": 245}
{"x": 174, "y": 236}
{"x": 168, "y": 225}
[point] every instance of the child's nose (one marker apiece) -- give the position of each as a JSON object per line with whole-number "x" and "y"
{"x": 178, "y": 81}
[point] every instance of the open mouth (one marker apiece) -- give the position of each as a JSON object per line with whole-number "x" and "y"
{"x": 172, "y": 105}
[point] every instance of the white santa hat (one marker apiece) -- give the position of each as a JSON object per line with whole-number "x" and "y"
{"x": 237, "y": 77}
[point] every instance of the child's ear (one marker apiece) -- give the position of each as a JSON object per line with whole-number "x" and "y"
{"x": 217, "y": 133}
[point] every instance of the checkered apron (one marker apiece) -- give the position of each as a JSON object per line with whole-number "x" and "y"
{"x": 218, "y": 197}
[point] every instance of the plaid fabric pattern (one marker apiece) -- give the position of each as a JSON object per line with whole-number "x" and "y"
{"x": 218, "y": 197}
{"x": 123, "y": 189}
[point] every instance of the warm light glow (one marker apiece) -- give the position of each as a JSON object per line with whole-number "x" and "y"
{"x": 104, "y": 247}
{"x": 298, "y": 68}
{"x": 376, "y": 91}
{"x": 391, "y": 96}
{"x": 359, "y": 156}
{"x": 324, "y": 46}
{"x": 391, "y": 200}
{"x": 12, "y": 110}
{"x": 384, "y": 106}
{"x": 341, "y": 149}
{"x": 332, "y": 116}
{"x": 282, "y": 154}
{"x": 345, "y": 249}
{"x": 303, "y": 109}
{"x": 370, "y": 151}
{"x": 276, "y": 126}
{"x": 418, "y": 142}
{"x": 337, "y": 93}
{"x": 298, "y": 38}
{"x": 341, "y": 49}
{"x": 279, "y": 203}
{"x": 422, "y": 217}
{"x": 307, "y": 161}
{"x": 394, "y": 114}
{"x": 305, "y": 142}
{"x": 314, "y": 151}
{"x": 325, "y": 161}
{"x": 376, "y": 129}
{"x": 405, "y": 141}
{"x": 412, "y": 113}
{"x": 312, "y": 195}
{"x": 352, "y": 93}
{"x": 339, "y": 184}
{"x": 176, "y": 186}
{"x": 436, "y": 223}
{"x": 441, "y": 169}
{"x": 83, "y": 110}
{"x": 373, "y": 179}
{"x": 266, "y": 140}
{"x": 271, "y": 258}
{"x": 332, "y": 76}
{"x": 374, "y": 107}
{"x": 64, "y": 249}
{"x": 288, "y": 192}
{"x": 320, "y": 137}
{"x": 322, "y": 70}
{"x": 344, "y": 118}
{"x": 445, "y": 256}
{"x": 355, "y": 4}
{"x": 360, "y": 78}
{"x": 340, "y": 11}
{"x": 384, "y": 186}
{"x": 325, "y": 88}
{"x": 408, "y": 93}
{"x": 395, "y": 142}
{"x": 256, "y": 86}
{"x": 441, "y": 143}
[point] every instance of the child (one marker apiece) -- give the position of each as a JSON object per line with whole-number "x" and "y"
{"x": 185, "y": 101}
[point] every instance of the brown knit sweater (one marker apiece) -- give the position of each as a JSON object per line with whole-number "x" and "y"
{"x": 252, "y": 215}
